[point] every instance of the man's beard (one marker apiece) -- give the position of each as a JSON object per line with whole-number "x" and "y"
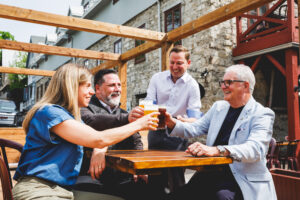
{"x": 114, "y": 99}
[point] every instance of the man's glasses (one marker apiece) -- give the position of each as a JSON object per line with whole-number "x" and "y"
{"x": 227, "y": 83}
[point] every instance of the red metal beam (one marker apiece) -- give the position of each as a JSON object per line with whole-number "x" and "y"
{"x": 269, "y": 11}
{"x": 275, "y": 39}
{"x": 255, "y": 64}
{"x": 276, "y": 64}
{"x": 262, "y": 18}
{"x": 291, "y": 59}
{"x": 239, "y": 28}
{"x": 266, "y": 32}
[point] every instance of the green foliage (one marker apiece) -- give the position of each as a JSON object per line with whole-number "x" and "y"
{"x": 5, "y": 36}
{"x": 18, "y": 80}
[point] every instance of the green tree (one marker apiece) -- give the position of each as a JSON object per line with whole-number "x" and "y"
{"x": 17, "y": 82}
{"x": 5, "y": 36}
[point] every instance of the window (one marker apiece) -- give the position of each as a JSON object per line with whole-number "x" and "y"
{"x": 173, "y": 19}
{"x": 99, "y": 62}
{"x": 38, "y": 93}
{"x": 46, "y": 84}
{"x": 41, "y": 91}
{"x": 138, "y": 97}
{"x": 86, "y": 63}
{"x": 118, "y": 46}
{"x": 258, "y": 12}
{"x": 142, "y": 57}
{"x": 86, "y": 6}
{"x": 1, "y": 77}
{"x": 115, "y": 1}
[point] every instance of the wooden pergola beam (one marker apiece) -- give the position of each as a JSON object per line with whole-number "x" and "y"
{"x": 55, "y": 50}
{"x": 25, "y": 71}
{"x": 105, "y": 65}
{"x": 141, "y": 49}
{"x": 215, "y": 17}
{"x": 222, "y": 14}
{"x": 38, "y": 17}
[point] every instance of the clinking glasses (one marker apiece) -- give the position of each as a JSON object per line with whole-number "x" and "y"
{"x": 227, "y": 83}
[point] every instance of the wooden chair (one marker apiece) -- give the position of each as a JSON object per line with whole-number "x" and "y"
{"x": 272, "y": 156}
{"x": 4, "y": 143}
{"x": 5, "y": 181}
{"x": 291, "y": 157}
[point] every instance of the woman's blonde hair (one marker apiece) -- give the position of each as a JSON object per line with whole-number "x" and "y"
{"x": 62, "y": 90}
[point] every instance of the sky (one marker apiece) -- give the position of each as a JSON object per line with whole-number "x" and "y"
{"x": 23, "y": 30}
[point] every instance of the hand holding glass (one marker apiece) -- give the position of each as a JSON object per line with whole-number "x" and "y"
{"x": 150, "y": 109}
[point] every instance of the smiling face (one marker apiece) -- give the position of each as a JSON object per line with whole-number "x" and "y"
{"x": 237, "y": 93}
{"x": 178, "y": 65}
{"x": 110, "y": 90}
{"x": 85, "y": 92}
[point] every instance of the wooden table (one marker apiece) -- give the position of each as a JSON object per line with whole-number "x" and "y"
{"x": 153, "y": 161}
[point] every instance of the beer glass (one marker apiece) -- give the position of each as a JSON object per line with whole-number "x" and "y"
{"x": 143, "y": 102}
{"x": 161, "y": 117}
{"x": 150, "y": 109}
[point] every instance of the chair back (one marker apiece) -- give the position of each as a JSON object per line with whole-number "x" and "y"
{"x": 272, "y": 146}
{"x": 272, "y": 156}
{"x": 5, "y": 181}
{"x": 4, "y": 143}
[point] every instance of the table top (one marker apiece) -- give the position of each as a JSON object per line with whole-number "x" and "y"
{"x": 152, "y": 161}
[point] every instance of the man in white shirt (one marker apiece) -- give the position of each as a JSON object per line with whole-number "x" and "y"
{"x": 179, "y": 92}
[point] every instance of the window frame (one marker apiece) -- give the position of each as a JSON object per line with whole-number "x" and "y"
{"x": 171, "y": 10}
{"x": 99, "y": 62}
{"x": 86, "y": 62}
{"x": 141, "y": 58}
{"x": 258, "y": 13}
{"x": 117, "y": 42}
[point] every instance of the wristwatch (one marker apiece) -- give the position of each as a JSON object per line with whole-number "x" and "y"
{"x": 221, "y": 149}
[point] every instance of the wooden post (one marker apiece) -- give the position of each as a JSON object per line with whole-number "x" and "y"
{"x": 123, "y": 77}
{"x": 165, "y": 50}
{"x": 291, "y": 59}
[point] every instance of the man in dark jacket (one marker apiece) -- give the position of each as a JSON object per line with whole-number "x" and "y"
{"x": 103, "y": 113}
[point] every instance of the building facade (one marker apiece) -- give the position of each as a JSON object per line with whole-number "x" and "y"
{"x": 211, "y": 49}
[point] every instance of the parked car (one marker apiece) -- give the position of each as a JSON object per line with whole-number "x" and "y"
{"x": 8, "y": 113}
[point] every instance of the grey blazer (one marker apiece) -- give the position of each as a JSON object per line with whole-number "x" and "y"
{"x": 248, "y": 144}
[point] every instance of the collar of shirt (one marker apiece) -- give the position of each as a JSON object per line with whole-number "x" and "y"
{"x": 184, "y": 77}
{"x": 108, "y": 107}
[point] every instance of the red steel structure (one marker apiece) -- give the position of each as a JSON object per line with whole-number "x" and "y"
{"x": 270, "y": 42}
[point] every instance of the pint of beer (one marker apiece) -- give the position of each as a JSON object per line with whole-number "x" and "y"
{"x": 161, "y": 117}
{"x": 143, "y": 102}
{"x": 150, "y": 109}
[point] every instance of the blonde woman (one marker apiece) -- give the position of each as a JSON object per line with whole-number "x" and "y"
{"x": 52, "y": 155}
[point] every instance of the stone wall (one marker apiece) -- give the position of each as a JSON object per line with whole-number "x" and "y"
{"x": 211, "y": 52}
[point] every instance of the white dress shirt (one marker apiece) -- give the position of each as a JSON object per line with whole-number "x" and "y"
{"x": 108, "y": 107}
{"x": 177, "y": 97}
